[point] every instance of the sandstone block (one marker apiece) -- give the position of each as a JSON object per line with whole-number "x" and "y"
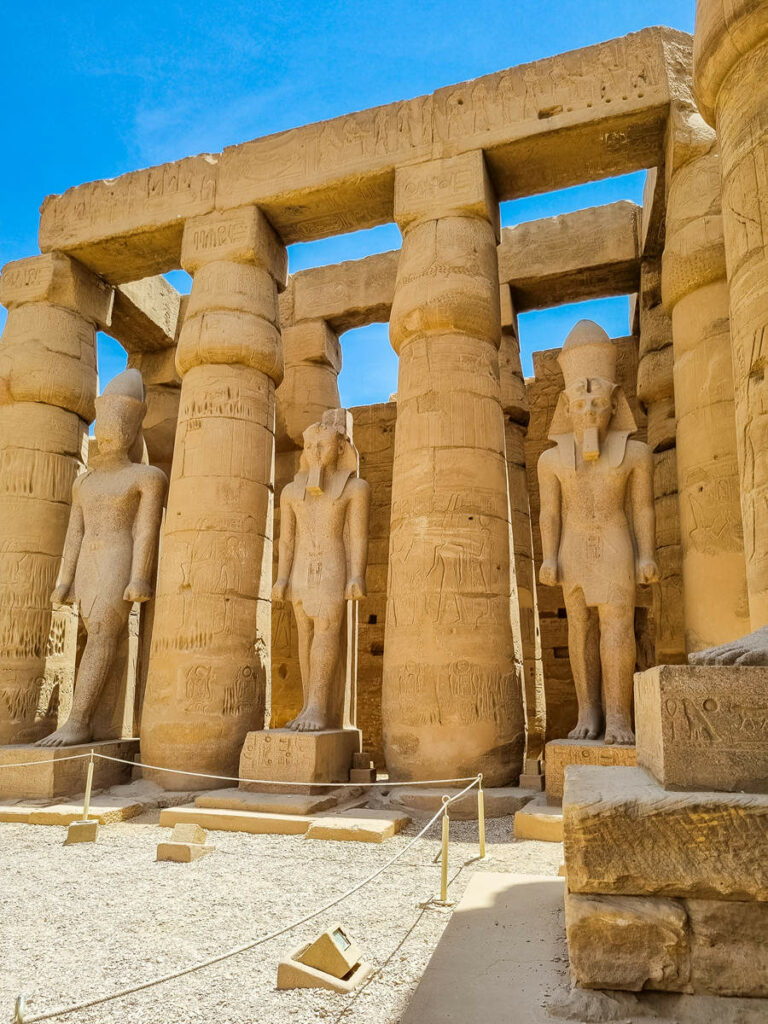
{"x": 362, "y": 775}
{"x": 704, "y": 727}
{"x": 237, "y": 821}
{"x": 103, "y": 809}
{"x": 182, "y": 853}
{"x": 82, "y": 832}
{"x": 499, "y": 801}
{"x": 283, "y": 755}
{"x": 60, "y": 281}
{"x": 454, "y": 186}
{"x": 539, "y": 820}
{"x": 535, "y": 782}
{"x": 188, "y": 832}
{"x": 359, "y": 826}
{"x": 561, "y": 753}
{"x": 625, "y": 835}
{"x": 281, "y": 802}
{"x": 58, "y": 776}
{"x": 641, "y": 942}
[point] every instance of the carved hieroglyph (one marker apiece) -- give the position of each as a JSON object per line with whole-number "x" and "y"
{"x": 695, "y": 291}
{"x": 47, "y": 388}
{"x": 323, "y": 556}
{"x": 731, "y": 82}
{"x": 209, "y": 664}
{"x": 588, "y": 483}
{"x": 451, "y": 702}
{"x": 110, "y": 547}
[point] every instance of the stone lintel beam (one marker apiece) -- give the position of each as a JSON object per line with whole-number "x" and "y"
{"x": 577, "y": 117}
{"x": 145, "y": 317}
{"x": 589, "y": 254}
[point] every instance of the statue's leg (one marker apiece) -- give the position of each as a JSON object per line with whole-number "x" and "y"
{"x": 98, "y": 657}
{"x": 617, "y": 655}
{"x": 584, "y": 652}
{"x": 323, "y": 656}
{"x": 304, "y": 631}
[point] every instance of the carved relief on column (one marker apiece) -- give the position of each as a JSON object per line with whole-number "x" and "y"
{"x": 309, "y": 388}
{"x": 452, "y": 702}
{"x": 696, "y": 293}
{"x": 47, "y": 388}
{"x": 514, "y": 402}
{"x": 209, "y": 672}
{"x": 731, "y": 83}
{"x": 656, "y": 391}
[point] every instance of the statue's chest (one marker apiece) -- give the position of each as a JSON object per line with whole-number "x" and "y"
{"x": 595, "y": 490}
{"x": 109, "y": 497}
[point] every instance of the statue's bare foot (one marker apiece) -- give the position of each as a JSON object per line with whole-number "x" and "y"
{"x": 749, "y": 650}
{"x": 69, "y": 735}
{"x": 588, "y": 726}
{"x": 619, "y": 731}
{"x": 310, "y": 720}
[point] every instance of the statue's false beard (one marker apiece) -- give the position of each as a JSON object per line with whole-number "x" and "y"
{"x": 590, "y": 445}
{"x": 316, "y": 480}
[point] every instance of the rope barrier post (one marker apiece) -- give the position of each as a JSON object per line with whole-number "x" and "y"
{"x": 84, "y": 831}
{"x": 481, "y": 816}
{"x": 444, "y": 861}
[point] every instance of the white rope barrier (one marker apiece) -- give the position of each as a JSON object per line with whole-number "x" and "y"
{"x": 21, "y": 1018}
{"x": 274, "y": 782}
{"x": 50, "y": 760}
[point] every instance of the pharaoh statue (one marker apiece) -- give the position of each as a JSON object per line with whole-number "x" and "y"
{"x": 597, "y": 530}
{"x": 111, "y": 544}
{"x": 322, "y": 560}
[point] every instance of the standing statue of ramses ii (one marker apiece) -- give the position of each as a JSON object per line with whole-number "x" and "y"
{"x": 597, "y": 530}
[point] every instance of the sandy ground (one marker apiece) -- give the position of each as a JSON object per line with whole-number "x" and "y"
{"x": 86, "y": 920}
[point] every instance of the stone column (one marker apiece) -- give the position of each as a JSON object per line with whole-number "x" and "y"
{"x": 209, "y": 671}
{"x": 514, "y": 402}
{"x": 731, "y": 83}
{"x": 452, "y": 702}
{"x": 655, "y": 389}
{"x": 47, "y": 388}
{"x": 309, "y": 388}
{"x": 695, "y": 292}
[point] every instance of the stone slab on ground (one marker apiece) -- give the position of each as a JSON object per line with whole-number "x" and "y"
{"x": 182, "y": 853}
{"x": 237, "y": 821}
{"x": 360, "y": 826}
{"x": 499, "y": 801}
{"x": 283, "y": 755}
{"x": 496, "y": 959}
{"x": 704, "y": 727}
{"x": 626, "y": 835}
{"x": 539, "y": 820}
{"x": 103, "y": 808}
{"x": 275, "y": 802}
{"x": 651, "y": 942}
{"x": 561, "y": 753}
{"x": 53, "y": 771}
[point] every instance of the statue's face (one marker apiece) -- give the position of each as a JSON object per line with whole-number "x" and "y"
{"x": 322, "y": 447}
{"x": 115, "y": 426}
{"x": 591, "y": 403}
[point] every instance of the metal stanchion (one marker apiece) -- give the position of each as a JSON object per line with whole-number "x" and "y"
{"x": 444, "y": 860}
{"x": 84, "y": 831}
{"x": 88, "y": 785}
{"x": 481, "y": 817}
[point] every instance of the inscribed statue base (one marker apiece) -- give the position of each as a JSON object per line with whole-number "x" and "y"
{"x": 282, "y": 755}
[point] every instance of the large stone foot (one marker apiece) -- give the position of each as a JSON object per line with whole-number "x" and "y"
{"x": 310, "y": 720}
{"x": 589, "y": 725}
{"x": 618, "y": 729}
{"x": 71, "y": 734}
{"x": 749, "y": 650}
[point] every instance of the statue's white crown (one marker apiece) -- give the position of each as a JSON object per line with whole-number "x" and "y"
{"x": 588, "y": 352}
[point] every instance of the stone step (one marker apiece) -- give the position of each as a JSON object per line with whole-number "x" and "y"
{"x": 539, "y": 820}
{"x": 224, "y": 820}
{"x": 363, "y": 825}
{"x": 106, "y": 810}
{"x": 182, "y": 853}
{"x": 499, "y": 801}
{"x": 275, "y": 803}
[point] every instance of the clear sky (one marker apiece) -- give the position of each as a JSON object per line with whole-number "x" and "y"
{"x": 94, "y": 89}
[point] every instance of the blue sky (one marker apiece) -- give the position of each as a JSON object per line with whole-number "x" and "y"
{"x": 92, "y": 90}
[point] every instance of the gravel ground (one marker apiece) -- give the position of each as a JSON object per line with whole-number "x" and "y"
{"x": 82, "y": 921}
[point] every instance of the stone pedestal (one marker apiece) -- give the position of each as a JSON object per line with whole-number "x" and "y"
{"x": 560, "y": 753}
{"x": 61, "y": 777}
{"x": 704, "y": 727}
{"x": 283, "y": 755}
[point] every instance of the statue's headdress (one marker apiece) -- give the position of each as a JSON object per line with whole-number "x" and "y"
{"x": 337, "y": 421}
{"x": 589, "y": 354}
{"x": 127, "y": 390}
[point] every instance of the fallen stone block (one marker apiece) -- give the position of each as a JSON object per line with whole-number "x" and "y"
{"x": 237, "y": 821}
{"x": 626, "y": 835}
{"x": 358, "y": 826}
{"x": 182, "y": 852}
{"x": 104, "y": 809}
{"x": 499, "y": 801}
{"x": 539, "y": 820}
{"x": 82, "y": 832}
{"x": 188, "y": 832}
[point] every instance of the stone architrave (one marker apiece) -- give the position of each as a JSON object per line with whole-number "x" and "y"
{"x": 110, "y": 547}
{"x": 703, "y": 727}
{"x": 514, "y": 402}
{"x": 589, "y": 544}
{"x": 323, "y": 557}
{"x": 209, "y": 665}
{"x": 695, "y": 292}
{"x": 451, "y": 701}
{"x": 47, "y": 390}
{"x": 731, "y": 84}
